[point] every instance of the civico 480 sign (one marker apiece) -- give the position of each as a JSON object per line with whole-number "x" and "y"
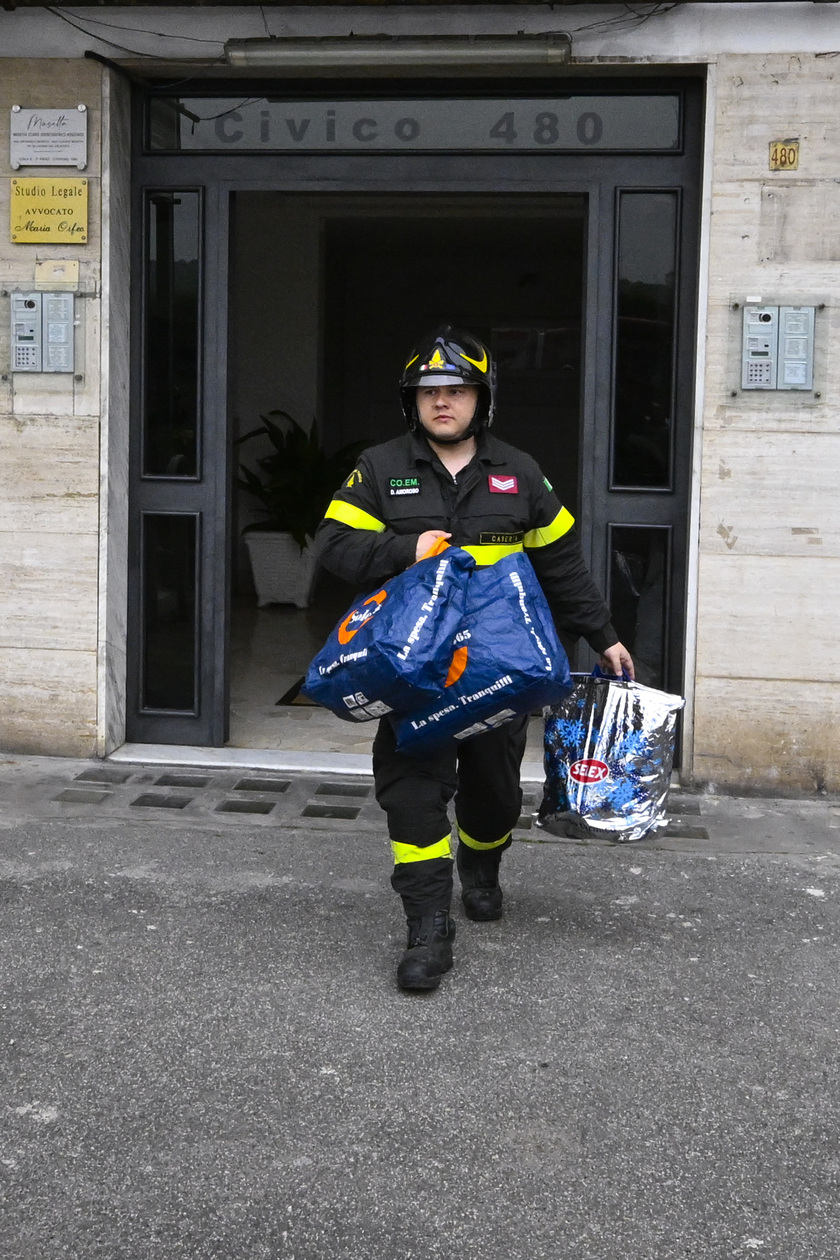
{"x": 574, "y": 123}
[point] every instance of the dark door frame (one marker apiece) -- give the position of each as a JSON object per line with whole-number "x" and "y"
{"x": 599, "y": 177}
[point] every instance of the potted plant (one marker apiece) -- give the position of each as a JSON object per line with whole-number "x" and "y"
{"x": 294, "y": 485}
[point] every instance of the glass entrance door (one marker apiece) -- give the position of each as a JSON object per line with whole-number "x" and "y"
{"x": 626, "y": 453}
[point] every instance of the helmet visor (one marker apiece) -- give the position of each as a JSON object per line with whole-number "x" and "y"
{"x": 438, "y": 378}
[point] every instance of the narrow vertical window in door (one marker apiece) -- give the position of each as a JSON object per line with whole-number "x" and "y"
{"x": 171, "y": 334}
{"x": 170, "y": 603}
{"x": 639, "y": 581}
{"x": 643, "y": 417}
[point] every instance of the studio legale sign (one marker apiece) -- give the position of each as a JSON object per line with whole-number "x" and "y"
{"x": 48, "y": 209}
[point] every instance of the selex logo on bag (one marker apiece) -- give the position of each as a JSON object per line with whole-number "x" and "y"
{"x": 609, "y": 750}
{"x": 589, "y": 770}
{"x": 357, "y": 618}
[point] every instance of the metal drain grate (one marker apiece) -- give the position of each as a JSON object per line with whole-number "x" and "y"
{"x": 262, "y": 785}
{"x": 342, "y": 789}
{"x": 685, "y": 833}
{"x": 155, "y": 800}
{"x": 330, "y": 811}
{"x": 678, "y": 805}
{"x": 245, "y": 807}
{"x": 102, "y": 774}
{"x": 182, "y": 780}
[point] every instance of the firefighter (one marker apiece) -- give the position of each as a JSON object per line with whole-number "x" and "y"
{"x": 448, "y": 477}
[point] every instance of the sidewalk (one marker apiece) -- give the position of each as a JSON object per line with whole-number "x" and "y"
{"x": 204, "y": 1054}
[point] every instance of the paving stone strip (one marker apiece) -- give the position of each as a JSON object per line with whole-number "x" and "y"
{"x": 76, "y": 790}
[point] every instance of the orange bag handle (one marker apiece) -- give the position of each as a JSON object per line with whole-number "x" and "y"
{"x": 459, "y": 657}
{"x": 437, "y": 548}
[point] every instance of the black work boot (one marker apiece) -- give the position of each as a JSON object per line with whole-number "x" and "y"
{"x": 479, "y": 873}
{"x": 429, "y": 952}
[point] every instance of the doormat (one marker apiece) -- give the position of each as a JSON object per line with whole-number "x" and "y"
{"x": 293, "y": 696}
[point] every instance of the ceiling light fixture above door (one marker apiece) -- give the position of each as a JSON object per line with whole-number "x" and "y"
{"x": 390, "y": 54}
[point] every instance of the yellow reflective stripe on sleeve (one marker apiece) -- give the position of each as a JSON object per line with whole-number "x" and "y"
{"x": 484, "y": 553}
{"x": 561, "y": 525}
{"x": 353, "y": 516}
{"x": 477, "y": 844}
{"x": 413, "y": 853}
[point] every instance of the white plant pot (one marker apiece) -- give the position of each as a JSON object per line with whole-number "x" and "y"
{"x": 283, "y": 574}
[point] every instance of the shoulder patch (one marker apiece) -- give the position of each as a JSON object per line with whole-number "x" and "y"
{"x": 355, "y": 478}
{"x": 547, "y": 484}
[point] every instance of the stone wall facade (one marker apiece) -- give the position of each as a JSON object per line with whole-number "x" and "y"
{"x": 767, "y": 689}
{"x": 50, "y": 463}
{"x": 764, "y": 684}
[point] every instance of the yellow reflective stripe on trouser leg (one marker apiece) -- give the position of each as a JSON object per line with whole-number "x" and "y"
{"x": 478, "y": 844}
{"x": 485, "y": 553}
{"x": 413, "y": 852}
{"x": 561, "y": 525}
{"x": 353, "y": 516}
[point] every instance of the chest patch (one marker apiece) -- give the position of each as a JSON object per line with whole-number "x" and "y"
{"x": 500, "y": 484}
{"x": 403, "y": 485}
{"x": 501, "y": 540}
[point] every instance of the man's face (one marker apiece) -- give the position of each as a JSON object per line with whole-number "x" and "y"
{"x": 446, "y": 411}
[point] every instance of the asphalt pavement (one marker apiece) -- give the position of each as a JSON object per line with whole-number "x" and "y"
{"x": 203, "y": 1052}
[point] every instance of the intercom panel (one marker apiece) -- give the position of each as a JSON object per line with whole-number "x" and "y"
{"x": 796, "y": 348}
{"x": 43, "y": 334}
{"x": 760, "y": 347}
{"x": 26, "y": 332}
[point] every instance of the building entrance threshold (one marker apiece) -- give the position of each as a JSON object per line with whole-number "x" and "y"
{"x": 265, "y": 759}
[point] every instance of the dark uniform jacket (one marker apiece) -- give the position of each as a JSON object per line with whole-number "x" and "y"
{"x": 499, "y": 503}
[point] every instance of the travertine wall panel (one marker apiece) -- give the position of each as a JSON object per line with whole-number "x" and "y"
{"x": 49, "y": 462}
{"x": 771, "y": 736}
{"x": 48, "y": 701}
{"x": 49, "y": 478}
{"x": 776, "y": 497}
{"x": 767, "y": 617}
{"x": 799, "y": 223}
{"x": 48, "y": 590}
{"x": 764, "y": 98}
{"x": 767, "y": 691}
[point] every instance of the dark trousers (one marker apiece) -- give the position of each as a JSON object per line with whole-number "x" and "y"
{"x": 482, "y": 774}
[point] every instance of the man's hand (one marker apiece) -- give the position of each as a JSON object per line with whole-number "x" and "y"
{"x": 427, "y": 540}
{"x": 617, "y": 660}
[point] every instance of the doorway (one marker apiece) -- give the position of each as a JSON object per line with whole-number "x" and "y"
{"x": 262, "y": 265}
{"x": 327, "y": 295}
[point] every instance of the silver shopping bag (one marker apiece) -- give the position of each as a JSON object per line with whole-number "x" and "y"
{"x": 609, "y": 752}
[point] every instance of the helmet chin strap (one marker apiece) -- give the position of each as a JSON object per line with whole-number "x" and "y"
{"x": 449, "y": 441}
{"x": 473, "y": 429}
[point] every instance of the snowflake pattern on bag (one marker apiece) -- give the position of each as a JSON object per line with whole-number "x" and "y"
{"x": 609, "y": 750}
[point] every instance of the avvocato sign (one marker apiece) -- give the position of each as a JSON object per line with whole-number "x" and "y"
{"x": 573, "y": 123}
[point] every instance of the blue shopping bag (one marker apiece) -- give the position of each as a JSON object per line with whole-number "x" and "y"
{"x": 507, "y": 661}
{"x": 392, "y": 651}
{"x": 609, "y": 752}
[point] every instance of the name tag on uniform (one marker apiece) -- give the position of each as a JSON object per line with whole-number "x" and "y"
{"x": 502, "y": 484}
{"x": 500, "y": 540}
{"x": 404, "y": 485}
